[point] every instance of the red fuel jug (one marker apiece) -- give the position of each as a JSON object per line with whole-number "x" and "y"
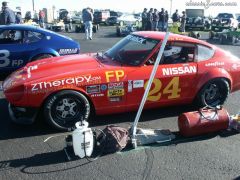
{"x": 204, "y": 121}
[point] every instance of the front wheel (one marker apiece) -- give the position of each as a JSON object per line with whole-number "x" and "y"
{"x": 63, "y": 109}
{"x": 213, "y": 93}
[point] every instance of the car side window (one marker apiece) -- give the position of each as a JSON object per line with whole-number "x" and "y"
{"x": 176, "y": 52}
{"x": 31, "y": 36}
{"x": 204, "y": 53}
{"x": 10, "y": 37}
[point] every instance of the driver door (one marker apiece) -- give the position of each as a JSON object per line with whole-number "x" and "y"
{"x": 172, "y": 84}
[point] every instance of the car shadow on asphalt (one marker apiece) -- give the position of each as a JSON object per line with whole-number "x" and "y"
{"x": 57, "y": 158}
{"x": 147, "y": 115}
{"x": 10, "y": 130}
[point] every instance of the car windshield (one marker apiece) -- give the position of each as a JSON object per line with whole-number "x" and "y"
{"x": 132, "y": 50}
{"x": 225, "y": 15}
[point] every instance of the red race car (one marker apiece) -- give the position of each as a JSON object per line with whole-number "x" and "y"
{"x": 71, "y": 88}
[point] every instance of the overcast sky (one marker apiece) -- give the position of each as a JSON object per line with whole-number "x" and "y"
{"x": 131, "y": 5}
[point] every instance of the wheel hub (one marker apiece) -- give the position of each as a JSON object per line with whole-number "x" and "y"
{"x": 66, "y": 108}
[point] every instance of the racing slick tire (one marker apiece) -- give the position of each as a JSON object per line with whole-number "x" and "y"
{"x": 42, "y": 56}
{"x": 213, "y": 93}
{"x": 223, "y": 39}
{"x": 118, "y": 31}
{"x": 94, "y": 29}
{"x": 63, "y": 109}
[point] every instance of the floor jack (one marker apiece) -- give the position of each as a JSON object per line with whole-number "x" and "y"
{"x": 148, "y": 136}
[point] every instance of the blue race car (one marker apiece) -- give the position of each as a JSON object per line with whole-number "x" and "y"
{"x": 20, "y": 44}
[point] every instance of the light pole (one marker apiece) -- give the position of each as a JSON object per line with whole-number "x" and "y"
{"x": 33, "y": 5}
{"x": 170, "y": 13}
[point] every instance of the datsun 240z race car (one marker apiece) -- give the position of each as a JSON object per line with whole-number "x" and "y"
{"x": 114, "y": 82}
{"x": 20, "y": 44}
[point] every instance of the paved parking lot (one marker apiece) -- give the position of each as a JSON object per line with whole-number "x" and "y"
{"x": 24, "y": 155}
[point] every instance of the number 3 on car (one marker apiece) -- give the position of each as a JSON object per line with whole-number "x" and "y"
{"x": 172, "y": 89}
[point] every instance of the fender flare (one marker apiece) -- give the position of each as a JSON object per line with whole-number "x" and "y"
{"x": 214, "y": 74}
{"x": 43, "y": 51}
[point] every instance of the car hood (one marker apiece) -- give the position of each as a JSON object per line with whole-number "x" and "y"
{"x": 62, "y": 65}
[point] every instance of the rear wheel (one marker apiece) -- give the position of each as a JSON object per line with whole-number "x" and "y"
{"x": 94, "y": 29}
{"x": 213, "y": 93}
{"x": 63, "y": 109}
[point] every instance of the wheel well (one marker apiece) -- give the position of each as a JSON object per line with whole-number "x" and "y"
{"x": 228, "y": 81}
{"x": 38, "y": 55}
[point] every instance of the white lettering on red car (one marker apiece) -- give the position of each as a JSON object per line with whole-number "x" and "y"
{"x": 179, "y": 70}
{"x": 77, "y": 81}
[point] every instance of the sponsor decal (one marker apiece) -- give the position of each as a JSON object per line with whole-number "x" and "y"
{"x": 97, "y": 95}
{"x": 104, "y": 87}
{"x": 115, "y": 92}
{"x": 68, "y": 51}
{"x": 116, "y": 85}
{"x": 114, "y": 75}
{"x": 130, "y": 86}
{"x": 138, "y": 84}
{"x": 215, "y": 64}
{"x": 136, "y": 39}
{"x": 115, "y": 99}
{"x": 179, "y": 70}
{"x": 236, "y": 66}
{"x": 31, "y": 68}
{"x": 93, "y": 89}
{"x": 74, "y": 81}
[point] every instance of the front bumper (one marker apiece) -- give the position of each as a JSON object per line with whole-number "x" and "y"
{"x": 22, "y": 115}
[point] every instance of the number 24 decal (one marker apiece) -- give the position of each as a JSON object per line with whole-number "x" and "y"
{"x": 172, "y": 89}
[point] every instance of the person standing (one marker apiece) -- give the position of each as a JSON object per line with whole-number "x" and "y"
{"x": 41, "y": 18}
{"x": 87, "y": 16}
{"x": 18, "y": 18}
{"x": 7, "y": 15}
{"x": 175, "y": 17}
{"x": 150, "y": 20}
{"x": 144, "y": 19}
{"x": 155, "y": 20}
{"x": 166, "y": 21}
{"x": 183, "y": 21}
{"x": 161, "y": 19}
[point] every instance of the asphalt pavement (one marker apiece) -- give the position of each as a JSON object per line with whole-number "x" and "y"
{"x": 24, "y": 155}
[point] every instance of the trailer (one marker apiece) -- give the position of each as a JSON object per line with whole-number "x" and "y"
{"x": 227, "y": 36}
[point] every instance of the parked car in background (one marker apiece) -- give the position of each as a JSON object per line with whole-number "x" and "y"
{"x": 20, "y": 44}
{"x": 112, "y": 20}
{"x": 197, "y": 20}
{"x": 127, "y": 19}
{"x": 224, "y": 21}
{"x": 101, "y": 16}
{"x": 115, "y": 81}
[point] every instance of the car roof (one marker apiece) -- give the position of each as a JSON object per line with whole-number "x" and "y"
{"x": 172, "y": 37}
{"x": 19, "y": 26}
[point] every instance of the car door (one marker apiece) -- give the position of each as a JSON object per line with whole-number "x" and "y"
{"x": 11, "y": 49}
{"x": 172, "y": 84}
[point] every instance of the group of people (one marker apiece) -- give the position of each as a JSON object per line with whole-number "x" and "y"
{"x": 154, "y": 20}
{"x": 8, "y": 16}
